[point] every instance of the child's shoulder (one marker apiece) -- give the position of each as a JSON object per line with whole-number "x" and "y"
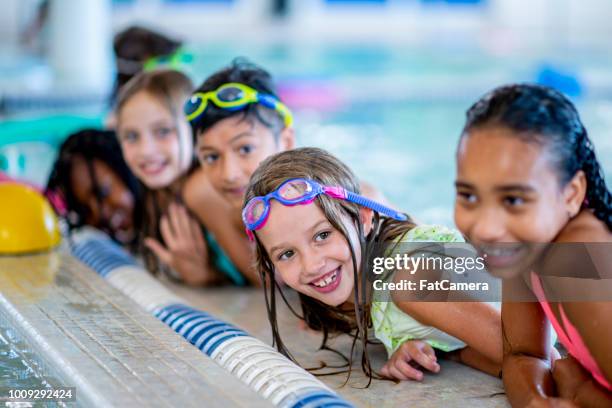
{"x": 585, "y": 227}
{"x": 432, "y": 233}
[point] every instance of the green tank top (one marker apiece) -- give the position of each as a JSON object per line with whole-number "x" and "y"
{"x": 392, "y": 326}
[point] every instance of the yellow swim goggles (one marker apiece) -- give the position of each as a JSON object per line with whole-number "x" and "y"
{"x": 234, "y": 96}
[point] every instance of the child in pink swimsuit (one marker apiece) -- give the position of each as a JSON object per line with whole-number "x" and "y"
{"x": 527, "y": 173}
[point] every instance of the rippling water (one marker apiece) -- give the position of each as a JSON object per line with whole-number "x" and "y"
{"x": 20, "y": 368}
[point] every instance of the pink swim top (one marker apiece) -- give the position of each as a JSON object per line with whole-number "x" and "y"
{"x": 570, "y": 337}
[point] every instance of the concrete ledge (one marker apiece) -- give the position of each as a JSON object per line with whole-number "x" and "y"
{"x": 92, "y": 337}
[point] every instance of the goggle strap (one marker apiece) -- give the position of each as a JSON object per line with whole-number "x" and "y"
{"x": 336, "y": 192}
{"x": 250, "y": 234}
{"x": 366, "y": 202}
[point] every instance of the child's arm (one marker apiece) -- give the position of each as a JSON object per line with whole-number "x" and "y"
{"x": 526, "y": 368}
{"x": 592, "y": 320}
{"x": 217, "y": 218}
{"x": 476, "y": 324}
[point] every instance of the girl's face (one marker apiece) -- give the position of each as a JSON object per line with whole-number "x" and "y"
{"x": 310, "y": 255}
{"x": 231, "y": 150}
{"x": 156, "y": 146}
{"x": 109, "y": 203}
{"x": 507, "y": 192}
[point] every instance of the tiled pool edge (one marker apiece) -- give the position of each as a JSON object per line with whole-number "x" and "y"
{"x": 92, "y": 337}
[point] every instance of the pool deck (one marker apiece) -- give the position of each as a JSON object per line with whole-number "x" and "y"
{"x": 90, "y": 336}
{"x": 455, "y": 386}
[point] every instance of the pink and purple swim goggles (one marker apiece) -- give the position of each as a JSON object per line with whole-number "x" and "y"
{"x": 299, "y": 191}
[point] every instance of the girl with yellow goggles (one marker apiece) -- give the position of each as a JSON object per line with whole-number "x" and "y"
{"x": 234, "y": 96}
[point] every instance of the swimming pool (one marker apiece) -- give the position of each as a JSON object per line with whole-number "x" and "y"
{"x": 20, "y": 367}
{"x": 394, "y": 113}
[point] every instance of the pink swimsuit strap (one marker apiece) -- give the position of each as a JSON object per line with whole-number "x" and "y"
{"x": 571, "y": 339}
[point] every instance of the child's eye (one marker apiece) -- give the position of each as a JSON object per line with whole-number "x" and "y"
{"x": 466, "y": 197}
{"x": 322, "y": 235}
{"x": 103, "y": 192}
{"x": 209, "y": 158}
{"x": 246, "y": 149}
{"x": 129, "y": 137}
{"x": 163, "y": 132}
{"x": 285, "y": 255}
{"x": 514, "y": 201}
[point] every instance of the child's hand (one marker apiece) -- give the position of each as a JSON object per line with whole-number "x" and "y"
{"x": 411, "y": 352}
{"x": 541, "y": 402}
{"x": 569, "y": 376}
{"x": 186, "y": 250}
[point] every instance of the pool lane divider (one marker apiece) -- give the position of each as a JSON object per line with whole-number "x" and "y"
{"x": 255, "y": 363}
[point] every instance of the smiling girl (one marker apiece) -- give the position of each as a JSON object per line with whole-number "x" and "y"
{"x": 313, "y": 229}
{"x": 157, "y": 146}
{"x": 96, "y": 186}
{"x": 528, "y": 177}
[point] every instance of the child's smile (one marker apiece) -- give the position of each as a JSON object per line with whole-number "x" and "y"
{"x": 328, "y": 282}
{"x": 311, "y": 255}
{"x": 505, "y": 205}
{"x": 156, "y": 146}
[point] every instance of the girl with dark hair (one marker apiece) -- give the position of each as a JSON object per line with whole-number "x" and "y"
{"x": 136, "y": 46}
{"x": 312, "y": 228}
{"x": 95, "y": 185}
{"x": 528, "y": 177}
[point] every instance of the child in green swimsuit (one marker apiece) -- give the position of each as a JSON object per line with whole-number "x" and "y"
{"x": 315, "y": 244}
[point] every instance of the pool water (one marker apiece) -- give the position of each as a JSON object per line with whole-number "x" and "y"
{"x": 20, "y": 368}
{"x": 394, "y": 114}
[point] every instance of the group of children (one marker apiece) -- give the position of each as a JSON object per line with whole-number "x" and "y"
{"x": 187, "y": 170}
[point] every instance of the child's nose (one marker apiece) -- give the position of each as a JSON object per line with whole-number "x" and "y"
{"x": 312, "y": 265}
{"x": 147, "y": 145}
{"x": 231, "y": 170}
{"x": 489, "y": 226}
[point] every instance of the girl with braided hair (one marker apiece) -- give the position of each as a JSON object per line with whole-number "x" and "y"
{"x": 530, "y": 195}
{"x": 95, "y": 185}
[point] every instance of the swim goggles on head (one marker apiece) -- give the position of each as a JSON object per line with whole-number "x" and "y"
{"x": 304, "y": 191}
{"x": 234, "y": 96}
{"x": 178, "y": 60}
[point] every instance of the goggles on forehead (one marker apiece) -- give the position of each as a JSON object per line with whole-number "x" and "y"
{"x": 177, "y": 61}
{"x": 299, "y": 191}
{"x": 234, "y": 96}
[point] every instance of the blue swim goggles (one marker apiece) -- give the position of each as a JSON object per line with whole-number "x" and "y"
{"x": 299, "y": 191}
{"x": 234, "y": 96}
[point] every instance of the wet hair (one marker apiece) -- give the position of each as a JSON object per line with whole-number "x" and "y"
{"x": 245, "y": 72}
{"x": 318, "y": 165}
{"x": 171, "y": 88}
{"x": 90, "y": 145}
{"x": 537, "y": 114}
{"x": 135, "y": 45}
